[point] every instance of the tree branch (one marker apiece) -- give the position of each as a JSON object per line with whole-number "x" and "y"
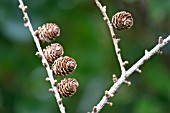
{"x": 114, "y": 39}
{"x": 125, "y": 74}
{"x": 44, "y": 61}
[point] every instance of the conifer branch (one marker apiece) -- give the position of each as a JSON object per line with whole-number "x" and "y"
{"x": 50, "y": 77}
{"x": 124, "y": 74}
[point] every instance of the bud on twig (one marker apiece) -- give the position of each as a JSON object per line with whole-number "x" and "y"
{"x": 159, "y": 52}
{"x": 38, "y": 54}
{"x": 20, "y": 6}
{"x": 128, "y": 83}
{"x": 146, "y": 52}
{"x": 25, "y": 8}
{"x": 26, "y": 25}
{"x": 47, "y": 79}
{"x": 109, "y": 103}
{"x": 25, "y": 19}
{"x": 108, "y": 95}
{"x": 114, "y": 78}
{"x": 160, "y": 41}
{"x": 138, "y": 70}
{"x": 118, "y": 51}
{"x": 94, "y": 109}
{"x": 59, "y": 101}
{"x": 125, "y": 63}
{"x": 50, "y": 90}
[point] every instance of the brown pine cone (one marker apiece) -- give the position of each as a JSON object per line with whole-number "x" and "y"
{"x": 122, "y": 20}
{"x": 53, "y": 52}
{"x": 64, "y": 66}
{"x": 67, "y": 87}
{"x": 47, "y": 32}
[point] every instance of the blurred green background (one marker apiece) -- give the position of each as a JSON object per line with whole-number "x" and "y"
{"x": 86, "y": 38}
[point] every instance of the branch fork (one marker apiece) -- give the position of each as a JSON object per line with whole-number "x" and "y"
{"x": 124, "y": 73}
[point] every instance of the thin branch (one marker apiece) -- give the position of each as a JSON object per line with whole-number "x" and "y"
{"x": 44, "y": 61}
{"x": 114, "y": 39}
{"x": 110, "y": 93}
{"x": 124, "y": 76}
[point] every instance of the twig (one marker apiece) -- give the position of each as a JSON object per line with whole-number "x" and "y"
{"x": 126, "y": 74}
{"x": 114, "y": 39}
{"x": 44, "y": 61}
{"x": 123, "y": 77}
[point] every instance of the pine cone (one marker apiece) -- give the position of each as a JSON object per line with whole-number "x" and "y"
{"x": 67, "y": 88}
{"x": 64, "y": 66}
{"x": 47, "y": 32}
{"x": 122, "y": 20}
{"x": 53, "y": 52}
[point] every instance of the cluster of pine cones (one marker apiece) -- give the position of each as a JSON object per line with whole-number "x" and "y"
{"x": 60, "y": 65}
{"x": 64, "y": 65}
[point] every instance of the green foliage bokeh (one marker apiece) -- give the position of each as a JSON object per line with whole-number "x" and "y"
{"x": 86, "y": 38}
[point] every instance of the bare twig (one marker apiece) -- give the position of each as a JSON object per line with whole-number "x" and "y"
{"x": 44, "y": 61}
{"x": 115, "y": 40}
{"x": 123, "y": 77}
{"x": 125, "y": 74}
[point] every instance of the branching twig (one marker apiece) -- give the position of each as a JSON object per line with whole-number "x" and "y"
{"x": 123, "y": 77}
{"x": 125, "y": 74}
{"x": 115, "y": 40}
{"x": 44, "y": 61}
